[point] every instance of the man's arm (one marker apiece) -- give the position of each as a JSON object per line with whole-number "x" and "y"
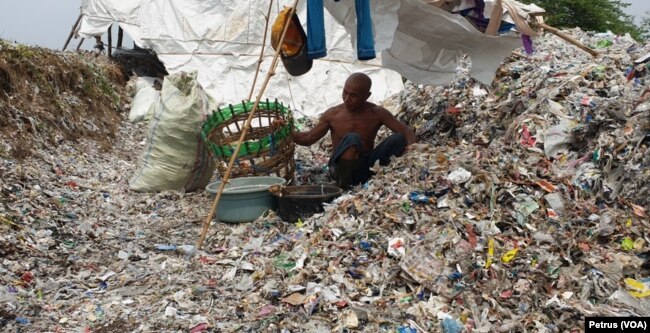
{"x": 310, "y": 137}
{"x": 397, "y": 126}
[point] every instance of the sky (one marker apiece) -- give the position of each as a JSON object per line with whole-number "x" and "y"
{"x": 47, "y": 23}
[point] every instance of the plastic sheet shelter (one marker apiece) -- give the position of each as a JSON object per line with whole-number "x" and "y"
{"x": 222, "y": 39}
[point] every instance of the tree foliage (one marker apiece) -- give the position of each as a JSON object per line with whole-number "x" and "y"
{"x": 589, "y": 15}
{"x": 645, "y": 26}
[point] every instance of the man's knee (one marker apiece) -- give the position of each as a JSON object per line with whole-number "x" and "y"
{"x": 398, "y": 142}
{"x": 398, "y": 139}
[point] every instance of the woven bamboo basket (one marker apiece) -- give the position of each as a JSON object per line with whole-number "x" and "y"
{"x": 264, "y": 152}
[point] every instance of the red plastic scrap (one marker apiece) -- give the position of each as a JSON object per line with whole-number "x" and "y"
{"x": 199, "y": 328}
{"x": 471, "y": 236}
{"x": 207, "y": 260}
{"x": 551, "y": 213}
{"x": 27, "y": 277}
{"x": 452, "y": 110}
{"x": 506, "y": 294}
{"x": 399, "y": 243}
{"x": 526, "y": 138}
{"x": 266, "y": 310}
{"x": 341, "y": 304}
{"x": 210, "y": 283}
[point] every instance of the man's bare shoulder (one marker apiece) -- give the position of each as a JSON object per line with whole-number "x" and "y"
{"x": 331, "y": 112}
{"x": 379, "y": 110}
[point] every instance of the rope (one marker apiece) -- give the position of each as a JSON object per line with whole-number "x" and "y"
{"x": 259, "y": 61}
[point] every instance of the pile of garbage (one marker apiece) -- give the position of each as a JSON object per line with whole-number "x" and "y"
{"x": 518, "y": 210}
{"x": 48, "y": 97}
{"x": 589, "y": 119}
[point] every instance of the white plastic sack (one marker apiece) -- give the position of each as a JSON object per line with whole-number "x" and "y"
{"x": 142, "y": 105}
{"x": 175, "y": 157}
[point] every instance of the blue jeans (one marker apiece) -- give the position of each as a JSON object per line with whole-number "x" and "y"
{"x": 316, "y": 46}
{"x": 393, "y": 146}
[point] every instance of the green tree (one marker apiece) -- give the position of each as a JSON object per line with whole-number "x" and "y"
{"x": 589, "y": 15}
{"x": 645, "y": 26}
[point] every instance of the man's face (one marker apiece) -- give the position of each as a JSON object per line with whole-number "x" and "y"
{"x": 354, "y": 95}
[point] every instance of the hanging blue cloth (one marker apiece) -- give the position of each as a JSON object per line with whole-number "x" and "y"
{"x": 316, "y": 46}
{"x": 365, "y": 39}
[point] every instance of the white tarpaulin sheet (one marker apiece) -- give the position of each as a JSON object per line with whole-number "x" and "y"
{"x": 425, "y": 43}
{"x": 222, "y": 39}
{"x": 98, "y": 15}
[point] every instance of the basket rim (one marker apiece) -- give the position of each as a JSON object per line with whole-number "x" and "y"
{"x": 261, "y": 144}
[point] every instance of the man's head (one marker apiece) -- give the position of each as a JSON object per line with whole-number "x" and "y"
{"x": 356, "y": 91}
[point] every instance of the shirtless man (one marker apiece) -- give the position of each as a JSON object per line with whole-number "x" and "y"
{"x": 353, "y": 126}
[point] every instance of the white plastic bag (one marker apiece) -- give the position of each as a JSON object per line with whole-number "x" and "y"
{"x": 144, "y": 97}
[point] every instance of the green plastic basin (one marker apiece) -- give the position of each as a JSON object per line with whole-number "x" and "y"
{"x": 245, "y": 199}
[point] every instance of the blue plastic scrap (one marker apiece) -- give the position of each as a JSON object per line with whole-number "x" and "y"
{"x": 419, "y": 197}
{"x": 22, "y": 320}
{"x": 427, "y": 196}
{"x": 450, "y": 325}
{"x": 365, "y": 245}
{"x": 163, "y": 247}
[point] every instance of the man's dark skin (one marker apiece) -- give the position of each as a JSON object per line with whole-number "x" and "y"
{"x": 355, "y": 114}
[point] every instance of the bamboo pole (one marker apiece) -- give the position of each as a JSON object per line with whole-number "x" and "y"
{"x": 259, "y": 61}
{"x": 247, "y": 124}
{"x": 74, "y": 28}
{"x": 567, "y": 38}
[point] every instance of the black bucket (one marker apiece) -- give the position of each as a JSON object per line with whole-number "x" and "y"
{"x": 300, "y": 202}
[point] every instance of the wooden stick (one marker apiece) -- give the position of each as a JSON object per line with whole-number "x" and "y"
{"x": 247, "y": 124}
{"x": 80, "y": 42}
{"x": 120, "y": 36}
{"x": 259, "y": 61}
{"x": 74, "y": 27}
{"x": 567, "y": 38}
{"x": 110, "y": 40}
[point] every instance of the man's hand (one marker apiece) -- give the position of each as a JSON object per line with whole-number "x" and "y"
{"x": 277, "y": 123}
{"x": 417, "y": 147}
